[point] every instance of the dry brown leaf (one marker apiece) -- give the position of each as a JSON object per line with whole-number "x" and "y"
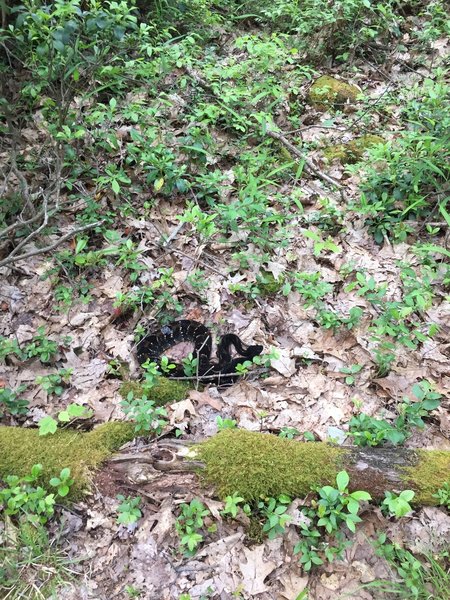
{"x": 293, "y": 584}
{"x": 255, "y": 570}
{"x": 204, "y": 398}
{"x": 88, "y": 375}
{"x": 284, "y": 364}
{"x": 179, "y": 410}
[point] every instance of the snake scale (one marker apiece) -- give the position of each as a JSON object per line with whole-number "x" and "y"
{"x": 152, "y": 346}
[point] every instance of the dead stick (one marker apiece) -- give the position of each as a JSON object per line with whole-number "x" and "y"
{"x": 308, "y": 162}
{"x": 46, "y": 249}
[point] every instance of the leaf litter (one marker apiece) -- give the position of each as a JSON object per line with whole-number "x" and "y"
{"x": 305, "y": 389}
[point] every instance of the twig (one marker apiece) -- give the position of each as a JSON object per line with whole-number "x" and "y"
{"x": 19, "y": 223}
{"x": 197, "y": 260}
{"x": 216, "y": 376}
{"x": 174, "y": 234}
{"x": 311, "y": 167}
{"x": 34, "y": 233}
{"x": 11, "y": 259}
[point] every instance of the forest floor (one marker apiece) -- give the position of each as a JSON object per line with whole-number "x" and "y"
{"x": 260, "y": 246}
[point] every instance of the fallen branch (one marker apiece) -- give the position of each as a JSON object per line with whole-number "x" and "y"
{"x": 310, "y": 166}
{"x": 11, "y": 259}
{"x": 257, "y": 464}
{"x": 251, "y": 464}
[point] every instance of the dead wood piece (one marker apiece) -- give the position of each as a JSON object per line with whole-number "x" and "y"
{"x": 375, "y": 470}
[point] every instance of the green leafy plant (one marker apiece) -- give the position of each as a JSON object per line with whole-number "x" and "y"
{"x": 351, "y": 371}
{"x": 42, "y": 347}
{"x": 128, "y": 511}
{"x": 148, "y": 418}
{"x": 232, "y": 506}
{"x": 289, "y": 433}
{"x": 49, "y": 425}
{"x": 55, "y": 383}
{"x": 63, "y": 482}
{"x": 414, "y": 167}
{"x": 190, "y": 365}
{"x": 334, "y": 508}
{"x": 202, "y": 222}
{"x": 9, "y": 348}
{"x": 24, "y": 499}
{"x": 132, "y": 591}
{"x": 165, "y": 365}
{"x": 369, "y": 431}
{"x": 11, "y": 403}
{"x": 223, "y": 424}
{"x": 320, "y": 244}
{"x": 273, "y": 510}
{"x": 443, "y": 495}
{"x": 152, "y": 373}
{"x": 418, "y": 579}
{"x": 128, "y": 257}
{"x": 397, "y": 505}
{"x": 188, "y": 525}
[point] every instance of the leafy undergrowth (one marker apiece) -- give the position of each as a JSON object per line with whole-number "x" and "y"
{"x": 278, "y": 171}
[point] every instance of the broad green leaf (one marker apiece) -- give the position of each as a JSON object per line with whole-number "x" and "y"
{"x": 64, "y": 416}
{"x": 342, "y": 480}
{"x": 76, "y": 410}
{"x": 361, "y": 495}
{"x": 407, "y": 495}
{"x": 63, "y": 490}
{"x": 65, "y": 473}
{"x": 158, "y": 184}
{"x": 47, "y": 425}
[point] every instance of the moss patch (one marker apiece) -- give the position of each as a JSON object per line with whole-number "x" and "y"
{"x": 165, "y": 391}
{"x": 21, "y": 448}
{"x": 353, "y": 151}
{"x": 327, "y": 92}
{"x": 430, "y": 473}
{"x": 267, "y": 284}
{"x": 256, "y": 464}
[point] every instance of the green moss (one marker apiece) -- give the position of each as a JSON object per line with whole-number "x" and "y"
{"x": 21, "y": 448}
{"x": 255, "y": 464}
{"x": 428, "y": 475}
{"x": 353, "y": 151}
{"x": 165, "y": 391}
{"x": 327, "y": 92}
{"x": 267, "y": 284}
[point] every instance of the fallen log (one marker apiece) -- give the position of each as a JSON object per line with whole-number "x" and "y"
{"x": 256, "y": 464}
{"x": 252, "y": 464}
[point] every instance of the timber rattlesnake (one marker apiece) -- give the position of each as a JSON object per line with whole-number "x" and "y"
{"x": 152, "y": 346}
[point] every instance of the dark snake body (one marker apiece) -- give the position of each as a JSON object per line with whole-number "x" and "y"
{"x": 151, "y": 347}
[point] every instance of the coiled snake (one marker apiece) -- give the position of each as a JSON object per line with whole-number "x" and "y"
{"x": 151, "y": 347}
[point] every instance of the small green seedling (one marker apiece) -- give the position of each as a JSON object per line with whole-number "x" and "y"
{"x": 232, "y": 505}
{"x": 443, "y": 495}
{"x": 274, "y": 510}
{"x": 225, "y": 423}
{"x": 128, "y": 510}
{"x": 351, "y": 371}
{"x": 63, "y": 482}
{"x": 397, "y": 506}
{"x": 74, "y": 411}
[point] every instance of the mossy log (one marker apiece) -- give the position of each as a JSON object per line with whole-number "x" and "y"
{"x": 256, "y": 464}
{"x": 252, "y": 464}
{"x": 83, "y": 453}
